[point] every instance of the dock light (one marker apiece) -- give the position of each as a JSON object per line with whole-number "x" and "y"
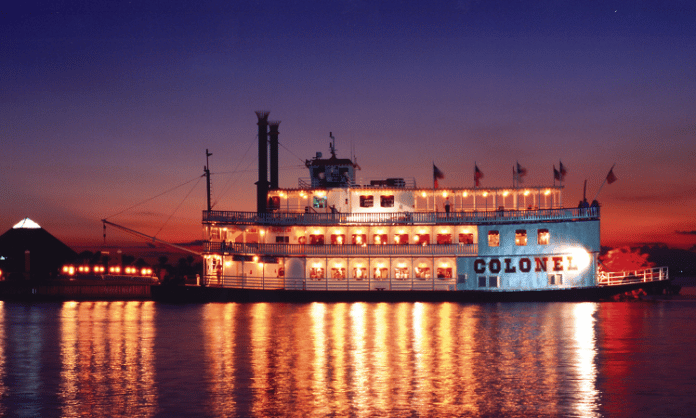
{"x": 281, "y": 194}
{"x": 423, "y": 194}
{"x": 444, "y": 194}
{"x": 465, "y": 194}
{"x": 256, "y": 259}
{"x": 505, "y": 193}
{"x": 485, "y": 194}
{"x": 547, "y": 192}
{"x": 262, "y": 232}
{"x": 401, "y": 265}
{"x": 526, "y": 192}
{"x": 320, "y": 193}
{"x": 228, "y": 263}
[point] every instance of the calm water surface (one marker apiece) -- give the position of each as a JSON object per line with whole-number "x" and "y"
{"x": 348, "y": 359}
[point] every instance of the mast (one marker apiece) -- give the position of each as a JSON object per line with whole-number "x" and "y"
{"x": 206, "y": 169}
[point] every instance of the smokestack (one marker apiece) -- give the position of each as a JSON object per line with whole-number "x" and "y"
{"x": 274, "y": 153}
{"x": 262, "y": 184}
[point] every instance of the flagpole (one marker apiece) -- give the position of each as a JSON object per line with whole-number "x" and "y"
{"x": 600, "y": 187}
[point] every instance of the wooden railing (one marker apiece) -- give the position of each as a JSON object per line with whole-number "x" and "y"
{"x": 399, "y": 218}
{"x": 272, "y": 283}
{"x": 340, "y": 250}
{"x": 634, "y": 276}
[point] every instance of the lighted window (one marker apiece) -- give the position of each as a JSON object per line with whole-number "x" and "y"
{"x": 422, "y": 272}
{"x": 359, "y": 239}
{"x": 282, "y": 240}
{"x": 338, "y": 273}
{"x": 401, "y": 239}
{"x": 543, "y": 237}
{"x": 319, "y": 201}
{"x": 386, "y": 201}
{"x": 493, "y": 281}
{"x": 316, "y": 273}
{"x": 521, "y": 237}
{"x": 214, "y": 233}
{"x": 444, "y": 272}
{"x": 316, "y": 239}
{"x": 422, "y": 239}
{"x": 380, "y": 239}
{"x": 367, "y": 201}
{"x": 555, "y": 279}
{"x": 493, "y": 239}
{"x": 401, "y": 273}
{"x": 274, "y": 203}
{"x": 338, "y": 239}
{"x": 381, "y": 273}
{"x": 466, "y": 238}
{"x": 360, "y": 273}
{"x": 443, "y": 239}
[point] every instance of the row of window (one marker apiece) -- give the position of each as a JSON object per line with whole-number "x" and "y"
{"x": 384, "y": 201}
{"x": 379, "y": 273}
{"x": 379, "y": 239}
{"x": 543, "y": 237}
{"x": 494, "y": 281}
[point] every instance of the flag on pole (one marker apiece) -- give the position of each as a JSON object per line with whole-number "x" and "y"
{"x": 556, "y": 174}
{"x": 478, "y": 175}
{"x": 520, "y": 172}
{"x": 611, "y": 177}
{"x": 562, "y": 171}
{"x": 437, "y": 175}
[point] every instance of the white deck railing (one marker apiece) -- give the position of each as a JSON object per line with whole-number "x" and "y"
{"x": 340, "y": 250}
{"x": 654, "y": 274}
{"x": 399, "y": 218}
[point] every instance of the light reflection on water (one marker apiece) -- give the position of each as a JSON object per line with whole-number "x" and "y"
{"x": 359, "y": 359}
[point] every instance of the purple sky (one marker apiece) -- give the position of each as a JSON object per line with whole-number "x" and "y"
{"x": 106, "y": 105}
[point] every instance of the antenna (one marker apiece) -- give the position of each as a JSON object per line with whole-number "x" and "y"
{"x": 332, "y": 145}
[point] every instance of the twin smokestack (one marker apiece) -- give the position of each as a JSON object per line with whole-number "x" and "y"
{"x": 263, "y": 185}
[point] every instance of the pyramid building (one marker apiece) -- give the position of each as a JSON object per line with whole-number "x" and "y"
{"x": 46, "y": 253}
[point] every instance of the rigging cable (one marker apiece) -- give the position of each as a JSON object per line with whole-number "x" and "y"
{"x": 225, "y": 186}
{"x": 177, "y": 208}
{"x": 154, "y": 197}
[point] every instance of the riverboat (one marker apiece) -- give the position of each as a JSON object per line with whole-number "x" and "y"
{"x": 332, "y": 238}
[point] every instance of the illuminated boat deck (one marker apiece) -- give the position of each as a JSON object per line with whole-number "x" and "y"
{"x": 400, "y": 218}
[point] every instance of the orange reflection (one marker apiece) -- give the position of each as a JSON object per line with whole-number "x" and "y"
{"x": 358, "y": 358}
{"x": 219, "y": 343}
{"x": 107, "y": 359}
{"x": 3, "y": 388}
{"x": 585, "y": 354}
{"x": 260, "y": 336}
{"x": 339, "y": 384}
{"x": 318, "y": 337}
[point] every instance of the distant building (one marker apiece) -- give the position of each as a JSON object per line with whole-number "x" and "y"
{"x": 28, "y": 251}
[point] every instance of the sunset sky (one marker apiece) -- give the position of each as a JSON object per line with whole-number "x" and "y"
{"x": 105, "y": 105}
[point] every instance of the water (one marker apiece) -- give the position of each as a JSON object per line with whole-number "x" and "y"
{"x": 141, "y": 359}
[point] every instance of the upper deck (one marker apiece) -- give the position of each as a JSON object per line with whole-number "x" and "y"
{"x": 401, "y": 218}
